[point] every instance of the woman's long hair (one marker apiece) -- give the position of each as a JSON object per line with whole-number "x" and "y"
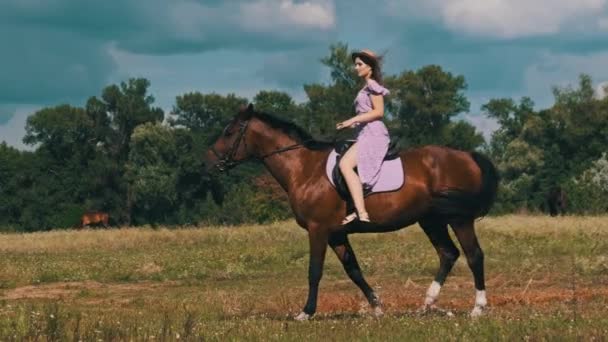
{"x": 373, "y": 62}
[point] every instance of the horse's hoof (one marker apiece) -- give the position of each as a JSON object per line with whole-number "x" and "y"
{"x": 377, "y": 312}
{"x": 428, "y": 308}
{"x": 478, "y": 311}
{"x": 423, "y": 309}
{"x": 303, "y": 316}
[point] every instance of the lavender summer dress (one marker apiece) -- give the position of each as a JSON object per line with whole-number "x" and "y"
{"x": 372, "y": 137}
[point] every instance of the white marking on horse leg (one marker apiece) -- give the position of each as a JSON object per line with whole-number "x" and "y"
{"x": 432, "y": 293}
{"x": 480, "y": 303}
{"x": 303, "y": 316}
{"x": 378, "y": 312}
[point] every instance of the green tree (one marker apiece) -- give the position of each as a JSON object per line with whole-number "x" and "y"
{"x": 511, "y": 117}
{"x": 581, "y": 123}
{"x": 129, "y": 105}
{"x": 278, "y": 103}
{"x": 424, "y": 102}
{"x": 330, "y": 104}
{"x": 152, "y": 172}
{"x": 461, "y": 135}
{"x": 588, "y": 191}
{"x": 547, "y": 148}
{"x": 12, "y": 180}
{"x": 326, "y": 106}
{"x": 59, "y": 130}
{"x": 340, "y": 66}
{"x": 205, "y": 114}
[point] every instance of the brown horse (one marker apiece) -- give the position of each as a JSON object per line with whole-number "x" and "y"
{"x": 94, "y": 218}
{"x": 443, "y": 186}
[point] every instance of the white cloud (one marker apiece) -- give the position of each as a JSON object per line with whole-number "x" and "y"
{"x": 292, "y": 69}
{"x": 601, "y": 91}
{"x": 58, "y": 49}
{"x": 485, "y": 125}
{"x": 562, "y": 70}
{"x": 191, "y": 20}
{"x": 602, "y": 24}
{"x": 516, "y": 18}
{"x": 409, "y": 9}
{"x": 501, "y": 18}
{"x": 13, "y": 131}
{"x": 221, "y": 72}
{"x": 269, "y": 15}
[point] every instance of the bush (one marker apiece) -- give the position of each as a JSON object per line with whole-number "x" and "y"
{"x": 588, "y": 193}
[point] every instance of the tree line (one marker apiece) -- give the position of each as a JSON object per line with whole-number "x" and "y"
{"x": 122, "y": 155}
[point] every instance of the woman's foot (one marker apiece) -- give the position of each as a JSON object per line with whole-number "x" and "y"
{"x": 349, "y": 218}
{"x": 364, "y": 217}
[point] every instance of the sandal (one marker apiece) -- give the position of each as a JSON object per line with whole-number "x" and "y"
{"x": 349, "y": 218}
{"x": 364, "y": 217}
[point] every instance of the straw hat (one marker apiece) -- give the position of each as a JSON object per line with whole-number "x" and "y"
{"x": 367, "y": 56}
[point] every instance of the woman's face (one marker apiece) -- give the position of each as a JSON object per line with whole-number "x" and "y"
{"x": 363, "y": 70}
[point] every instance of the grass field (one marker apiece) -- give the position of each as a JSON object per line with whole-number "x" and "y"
{"x": 547, "y": 279}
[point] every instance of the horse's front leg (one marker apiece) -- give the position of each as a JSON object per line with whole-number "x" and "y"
{"x": 318, "y": 238}
{"x": 339, "y": 243}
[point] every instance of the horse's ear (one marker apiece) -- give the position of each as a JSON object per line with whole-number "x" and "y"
{"x": 246, "y": 112}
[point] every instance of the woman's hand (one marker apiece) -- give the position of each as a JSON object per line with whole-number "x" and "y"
{"x": 347, "y": 124}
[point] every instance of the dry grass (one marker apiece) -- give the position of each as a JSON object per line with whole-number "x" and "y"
{"x": 128, "y": 238}
{"x": 547, "y": 278}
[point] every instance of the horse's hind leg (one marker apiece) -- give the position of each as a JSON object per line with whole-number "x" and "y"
{"x": 465, "y": 231}
{"x": 339, "y": 243}
{"x": 437, "y": 233}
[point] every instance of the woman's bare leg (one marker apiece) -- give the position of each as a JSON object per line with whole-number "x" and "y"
{"x": 347, "y": 164}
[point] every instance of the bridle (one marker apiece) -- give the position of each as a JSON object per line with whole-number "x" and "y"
{"x": 228, "y": 161}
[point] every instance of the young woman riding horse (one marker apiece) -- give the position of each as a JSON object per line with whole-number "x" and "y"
{"x": 443, "y": 186}
{"x": 368, "y": 152}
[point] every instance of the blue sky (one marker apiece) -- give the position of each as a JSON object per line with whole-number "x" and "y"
{"x": 58, "y": 51}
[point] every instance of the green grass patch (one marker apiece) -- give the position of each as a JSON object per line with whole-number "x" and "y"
{"x": 547, "y": 280}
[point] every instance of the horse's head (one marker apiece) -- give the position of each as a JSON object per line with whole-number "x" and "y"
{"x": 231, "y": 147}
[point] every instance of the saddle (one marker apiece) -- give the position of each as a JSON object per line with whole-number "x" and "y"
{"x": 391, "y": 167}
{"x": 393, "y": 148}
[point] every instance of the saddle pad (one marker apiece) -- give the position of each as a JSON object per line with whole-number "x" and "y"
{"x": 391, "y": 174}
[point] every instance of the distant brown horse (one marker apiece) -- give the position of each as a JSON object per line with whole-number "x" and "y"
{"x": 443, "y": 186}
{"x": 94, "y": 218}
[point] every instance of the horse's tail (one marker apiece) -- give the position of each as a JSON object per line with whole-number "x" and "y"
{"x": 489, "y": 183}
{"x": 459, "y": 204}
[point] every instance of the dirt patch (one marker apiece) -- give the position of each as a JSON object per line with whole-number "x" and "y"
{"x": 64, "y": 290}
{"x": 335, "y": 297}
{"x": 460, "y": 296}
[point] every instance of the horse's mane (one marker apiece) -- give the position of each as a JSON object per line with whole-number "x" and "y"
{"x": 294, "y": 131}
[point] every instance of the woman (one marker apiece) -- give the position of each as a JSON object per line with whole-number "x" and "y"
{"x": 368, "y": 152}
